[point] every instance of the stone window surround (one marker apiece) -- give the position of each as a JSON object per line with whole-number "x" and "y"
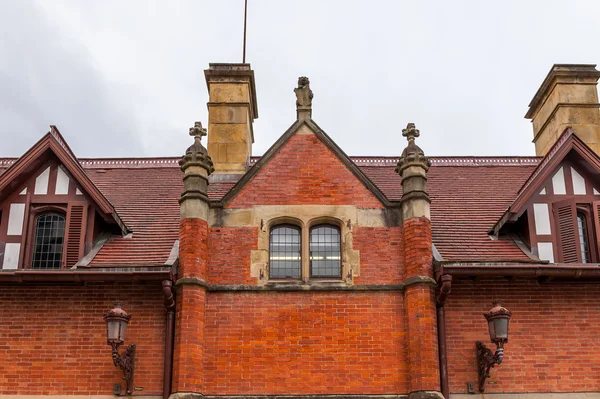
{"x": 262, "y": 217}
{"x": 305, "y": 228}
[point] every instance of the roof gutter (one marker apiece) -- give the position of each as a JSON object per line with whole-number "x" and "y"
{"x": 521, "y": 270}
{"x": 76, "y": 276}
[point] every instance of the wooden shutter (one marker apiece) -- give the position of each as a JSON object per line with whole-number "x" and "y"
{"x": 565, "y": 213}
{"x": 75, "y": 234}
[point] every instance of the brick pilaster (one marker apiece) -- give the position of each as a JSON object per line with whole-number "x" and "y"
{"x": 420, "y": 307}
{"x": 419, "y": 293}
{"x": 188, "y": 356}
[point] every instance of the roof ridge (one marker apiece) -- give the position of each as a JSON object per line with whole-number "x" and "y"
{"x": 367, "y": 160}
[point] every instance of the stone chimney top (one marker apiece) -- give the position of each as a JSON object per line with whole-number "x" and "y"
{"x": 232, "y": 109}
{"x": 567, "y": 98}
{"x": 304, "y": 96}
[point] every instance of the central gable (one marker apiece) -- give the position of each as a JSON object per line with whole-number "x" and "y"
{"x": 302, "y": 169}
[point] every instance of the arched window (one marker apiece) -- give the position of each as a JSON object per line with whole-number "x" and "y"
{"x": 325, "y": 251}
{"x": 583, "y": 237}
{"x": 285, "y": 249}
{"x": 49, "y": 239}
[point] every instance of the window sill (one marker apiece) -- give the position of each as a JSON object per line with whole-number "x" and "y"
{"x": 306, "y": 285}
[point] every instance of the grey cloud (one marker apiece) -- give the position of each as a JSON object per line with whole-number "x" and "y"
{"x": 125, "y": 78}
{"x": 45, "y": 78}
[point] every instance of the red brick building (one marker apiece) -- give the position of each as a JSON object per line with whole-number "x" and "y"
{"x": 304, "y": 272}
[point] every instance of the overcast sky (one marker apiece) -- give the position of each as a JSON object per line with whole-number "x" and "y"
{"x": 125, "y": 78}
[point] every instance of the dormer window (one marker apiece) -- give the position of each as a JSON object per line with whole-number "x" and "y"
{"x": 48, "y": 241}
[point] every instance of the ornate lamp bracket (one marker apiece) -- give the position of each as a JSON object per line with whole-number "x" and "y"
{"x": 486, "y": 359}
{"x": 126, "y": 362}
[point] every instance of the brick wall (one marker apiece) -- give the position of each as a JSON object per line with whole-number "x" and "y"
{"x": 381, "y": 260}
{"x": 305, "y": 171}
{"x": 53, "y": 338}
{"x": 305, "y": 343}
{"x": 553, "y": 339}
{"x": 229, "y": 255}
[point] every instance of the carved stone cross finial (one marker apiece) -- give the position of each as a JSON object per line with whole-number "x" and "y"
{"x": 197, "y": 131}
{"x": 411, "y": 132}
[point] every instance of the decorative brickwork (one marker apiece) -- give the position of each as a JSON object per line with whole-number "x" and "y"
{"x": 305, "y": 171}
{"x": 305, "y": 343}
{"x": 54, "y": 338}
{"x": 553, "y": 339}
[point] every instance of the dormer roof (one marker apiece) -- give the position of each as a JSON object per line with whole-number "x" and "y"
{"x": 567, "y": 143}
{"x": 54, "y": 144}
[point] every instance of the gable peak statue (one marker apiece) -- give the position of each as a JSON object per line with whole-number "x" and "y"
{"x": 304, "y": 96}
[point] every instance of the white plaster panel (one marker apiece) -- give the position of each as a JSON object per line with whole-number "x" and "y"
{"x": 578, "y": 182}
{"x": 16, "y": 216}
{"x": 542, "y": 219}
{"x": 11, "y": 256}
{"x": 62, "y": 182}
{"x": 543, "y": 192}
{"x": 546, "y": 251}
{"x": 78, "y": 192}
{"x": 558, "y": 182}
{"x": 24, "y": 191}
{"x": 41, "y": 182}
{"x": 596, "y": 192}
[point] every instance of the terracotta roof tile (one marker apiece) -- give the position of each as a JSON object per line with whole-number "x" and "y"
{"x": 469, "y": 194}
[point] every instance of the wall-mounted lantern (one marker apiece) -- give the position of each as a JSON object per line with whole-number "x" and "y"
{"x": 116, "y": 326}
{"x": 497, "y": 318}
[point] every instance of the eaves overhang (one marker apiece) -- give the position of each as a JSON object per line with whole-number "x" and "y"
{"x": 82, "y": 276}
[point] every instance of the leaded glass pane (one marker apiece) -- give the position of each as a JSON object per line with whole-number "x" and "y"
{"x": 48, "y": 244}
{"x": 284, "y": 252}
{"x": 325, "y": 253}
{"x": 583, "y": 245}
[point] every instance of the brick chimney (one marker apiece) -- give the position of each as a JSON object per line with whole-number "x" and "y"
{"x": 567, "y": 97}
{"x": 232, "y": 109}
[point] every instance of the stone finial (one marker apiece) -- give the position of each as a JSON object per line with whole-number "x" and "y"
{"x": 304, "y": 96}
{"x": 196, "y": 154}
{"x": 412, "y": 167}
{"x": 196, "y": 166}
{"x": 412, "y": 154}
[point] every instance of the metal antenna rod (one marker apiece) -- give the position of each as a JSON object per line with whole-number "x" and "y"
{"x": 245, "y": 17}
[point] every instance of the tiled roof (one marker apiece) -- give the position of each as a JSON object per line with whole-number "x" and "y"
{"x": 469, "y": 195}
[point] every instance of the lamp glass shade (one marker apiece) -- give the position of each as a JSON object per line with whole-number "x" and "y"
{"x": 115, "y": 331}
{"x": 498, "y": 327}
